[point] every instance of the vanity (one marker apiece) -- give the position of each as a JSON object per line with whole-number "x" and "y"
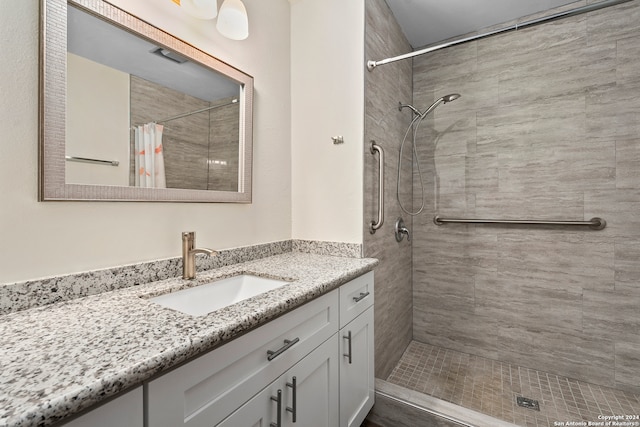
{"x": 313, "y": 365}
{"x": 299, "y": 354}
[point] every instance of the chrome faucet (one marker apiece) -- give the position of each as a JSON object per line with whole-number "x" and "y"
{"x": 189, "y": 252}
{"x": 402, "y": 231}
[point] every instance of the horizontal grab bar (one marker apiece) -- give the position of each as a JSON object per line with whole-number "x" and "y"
{"x": 95, "y": 161}
{"x": 594, "y": 223}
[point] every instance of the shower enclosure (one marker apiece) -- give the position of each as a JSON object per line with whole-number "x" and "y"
{"x": 547, "y": 128}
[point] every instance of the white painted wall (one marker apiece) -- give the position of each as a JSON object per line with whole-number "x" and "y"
{"x": 327, "y": 99}
{"x": 97, "y": 122}
{"x": 44, "y": 239}
{"x": 307, "y": 54}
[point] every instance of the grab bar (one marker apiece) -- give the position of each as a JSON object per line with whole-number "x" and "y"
{"x": 377, "y": 224}
{"x": 593, "y": 223}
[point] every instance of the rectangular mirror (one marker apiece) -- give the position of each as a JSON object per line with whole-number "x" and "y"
{"x": 129, "y": 112}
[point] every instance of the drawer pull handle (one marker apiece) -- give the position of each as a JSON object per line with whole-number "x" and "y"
{"x": 362, "y": 296}
{"x": 293, "y": 410}
{"x": 287, "y": 345}
{"x": 348, "y": 337}
{"x": 278, "y": 400}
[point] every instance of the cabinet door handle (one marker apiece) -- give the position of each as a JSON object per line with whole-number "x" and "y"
{"x": 278, "y": 400}
{"x": 348, "y": 337}
{"x": 293, "y": 410}
{"x": 287, "y": 345}
{"x": 360, "y": 297}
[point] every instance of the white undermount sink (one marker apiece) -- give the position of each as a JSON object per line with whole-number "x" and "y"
{"x": 204, "y": 299}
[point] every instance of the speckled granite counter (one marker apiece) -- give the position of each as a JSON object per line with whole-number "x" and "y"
{"x": 59, "y": 359}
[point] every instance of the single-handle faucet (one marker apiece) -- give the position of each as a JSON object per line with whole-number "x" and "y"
{"x": 189, "y": 252}
{"x": 402, "y": 231}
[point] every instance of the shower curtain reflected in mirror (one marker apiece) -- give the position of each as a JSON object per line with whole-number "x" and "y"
{"x": 149, "y": 158}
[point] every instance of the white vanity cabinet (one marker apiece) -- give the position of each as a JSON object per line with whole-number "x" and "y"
{"x": 293, "y": 365}
{"x": 126, "y": 410}
{"x": 206, "y": 390}
{"x": 357, "y": 387}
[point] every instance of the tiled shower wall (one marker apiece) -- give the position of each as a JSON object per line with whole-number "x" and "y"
{"x": 548, "y": 127}
{"x": 385, "y": 124}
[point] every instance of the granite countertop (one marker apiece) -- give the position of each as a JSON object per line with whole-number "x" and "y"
{"x": 59, "y": 359}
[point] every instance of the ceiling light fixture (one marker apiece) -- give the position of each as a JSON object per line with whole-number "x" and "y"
{"x": 233, "y": 22}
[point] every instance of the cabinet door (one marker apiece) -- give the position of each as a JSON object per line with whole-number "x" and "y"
{"x": 260, "y": 411}
{"x": 316, "y": 388}
{"x": 312, "y": 396}
{"x": 126, "y": 410}
{"x": 357, "y": 386}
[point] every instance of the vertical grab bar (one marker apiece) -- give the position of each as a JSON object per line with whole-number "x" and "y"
{"x": 374, "y": 225}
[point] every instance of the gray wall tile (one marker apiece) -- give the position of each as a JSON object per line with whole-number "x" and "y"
{"x": 628, "y": 163}
{"x": 612, "y": 315}
{"x": 627, "y": 58}
{"x": 458, "y": 330}
{"x": 627, "y": 267}
{"x": 521, "y": 304}
{"x": 576, "y": 355}
{"x": 627, "y": 361}
{"x": 547, "y": 127}
{"x": 384, "y": 88}
{"x": 613, "y": 24}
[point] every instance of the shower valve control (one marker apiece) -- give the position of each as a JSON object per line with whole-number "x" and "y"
{"x": 401, "y": 231}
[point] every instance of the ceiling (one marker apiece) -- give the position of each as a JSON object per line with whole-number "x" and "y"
{"x": 426, "y": 22}
{"x": 106, "y": 44}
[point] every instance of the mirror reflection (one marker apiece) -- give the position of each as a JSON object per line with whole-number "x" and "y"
{"x": 142, "y": 115}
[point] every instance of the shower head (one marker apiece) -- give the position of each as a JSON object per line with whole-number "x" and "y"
{"x": 444, "y": 99}
{"x": 451, "y": 97}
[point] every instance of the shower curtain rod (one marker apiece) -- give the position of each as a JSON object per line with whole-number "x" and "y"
{"x": 202, "y": 110}
{"x": 573, "y": 12}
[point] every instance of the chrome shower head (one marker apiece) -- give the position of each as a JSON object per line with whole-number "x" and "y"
{"x": 451, "y": 97}
{"x": 444, "y": 99}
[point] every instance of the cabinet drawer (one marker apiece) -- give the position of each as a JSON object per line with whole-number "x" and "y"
{"x": 203, "y": 392}
{"x": 355, "y": 297}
